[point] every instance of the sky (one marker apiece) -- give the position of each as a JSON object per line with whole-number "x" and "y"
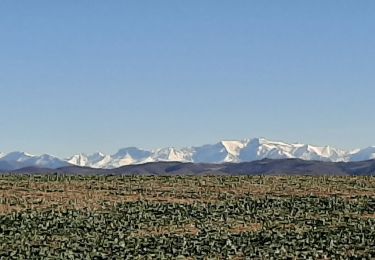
{"x": 86, "y": 76}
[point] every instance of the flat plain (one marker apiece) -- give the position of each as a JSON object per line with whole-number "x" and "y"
{"x": 174, "y": 217}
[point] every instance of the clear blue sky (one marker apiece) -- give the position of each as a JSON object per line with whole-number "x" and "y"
{"x": 82, "y": 76}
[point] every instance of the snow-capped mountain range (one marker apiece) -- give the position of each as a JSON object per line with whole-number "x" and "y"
{"x": 224, "y": 151}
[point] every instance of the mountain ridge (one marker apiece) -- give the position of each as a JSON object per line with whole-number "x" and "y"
{"x": 271, "y": 167}
{"x": 232, "y": 151}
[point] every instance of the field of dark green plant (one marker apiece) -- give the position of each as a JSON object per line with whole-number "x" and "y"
{"x": 54, "y": 217}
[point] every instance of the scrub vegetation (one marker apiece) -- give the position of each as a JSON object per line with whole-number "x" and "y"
{"x": 212, "y": 217}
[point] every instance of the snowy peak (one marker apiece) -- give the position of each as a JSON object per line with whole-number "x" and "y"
{"x": 233, "y": 149}
{"x": 17, "y": 156}
{"x": 79, "y": 159}
{"x": 224, "y": 151}
{"x": 364, "y": 154}
{"x": 17, "y": 160}
{"x": 95, "y": 160}
{"x": 171, "y": 154}
{"x": 126, "y": 156}
{"x": 260, "y": 148}
{"x": 210, "y": 153}
{"x": 325, "y": 153}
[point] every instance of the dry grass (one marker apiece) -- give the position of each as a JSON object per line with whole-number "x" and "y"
{"x": 368, "y": 216}
{"x": 38, "y": 194}
{"x": 244, "y": 228}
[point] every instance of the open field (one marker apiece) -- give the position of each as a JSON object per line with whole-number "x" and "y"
{"x": 187, "y": 217}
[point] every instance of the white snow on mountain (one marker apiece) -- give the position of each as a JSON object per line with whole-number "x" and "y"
{"x": 171, "y": 154}
{"x": 259, "y": 148}
{"x": 223, "y": 151}
{"x": 325, "y": 153}
{"x": 99, "y": 160}
{"x": 18, "y": 160}
{"x": 362, "y": 155}
{"x": 234, "y": 147}
{"x": 79, "y": 159}
{"x": 17, "y": 157}
{"x": 130, "y": 155}
{"x": 96, "y": 160}
{"x": 210, "y": 153}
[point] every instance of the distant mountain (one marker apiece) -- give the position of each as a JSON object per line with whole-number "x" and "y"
{"x": 237, "y": 151}
{"x": 229, "y": 151}
{"x": 96, "y": 160}
{"x": 362, "y": 155}
{"x": 261, "y": 167}
{"x": 17, "y": 160}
